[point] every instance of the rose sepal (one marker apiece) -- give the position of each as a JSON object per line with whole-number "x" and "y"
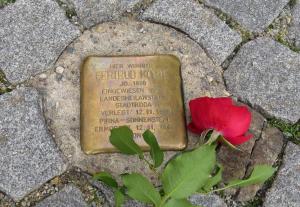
{"x": 216, "y": 137}
{"x": 227, "y": 143}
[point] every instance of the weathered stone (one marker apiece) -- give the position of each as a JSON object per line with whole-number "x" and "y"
{"x": 199, "y": 23}
{"x": 69, "y": 196}
{"x": 62, "y": 91}
{"x": 32, "y": 36}
{"x": 257, "y": 123}
{"x": 108, "y": 194}
{"x": 235, "y": 162}
{"x": 266, "y": 151}
{"x": 255, "y": 15}
{"x": 134, "y": 203}
{"x": 106, "y": 191}
{"x": 266, "y": 74}
{"x": 294, "y": 30}
{"x": 285, "y": 191}
{"x": 98, "y": 11}
{"x": 28, "y": 155}
{"x": 210, "y": 200}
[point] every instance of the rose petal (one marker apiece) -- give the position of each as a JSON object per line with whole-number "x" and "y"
{"x": 198, "y": 108}
{"x": 236, "y": 121}
{"x": 220, "y": 114}
{"x": 206, "y": 111}
{"x": 194, "y": 129}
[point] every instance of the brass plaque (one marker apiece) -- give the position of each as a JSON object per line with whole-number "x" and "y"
{"x": 142, "y": 92}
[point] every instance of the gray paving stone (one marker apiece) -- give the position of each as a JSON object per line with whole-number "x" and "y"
{"x": 199, "y": 23}
{"x": 69, "y": 196}
{"x": 210, "y": 200}
{"x": 108, "y": 195}
{"x": 93, "y": 12}
{"x": 33, "y": 34}
{"x": 255, "y": 15}
{"x": 28, "y": 156}
{"x": 265, "y": 152}
{"x": 285, "y": 191}
{"x": 266, "y": 74}
{"x": 294, "y": 30}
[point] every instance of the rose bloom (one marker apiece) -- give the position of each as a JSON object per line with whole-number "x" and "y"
{"x": 221, "y": 115}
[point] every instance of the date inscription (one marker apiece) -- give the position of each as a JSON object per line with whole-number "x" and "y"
{"x": 142, "y": 92}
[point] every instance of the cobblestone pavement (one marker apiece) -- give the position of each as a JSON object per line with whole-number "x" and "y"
{"x": 247, "y": 49}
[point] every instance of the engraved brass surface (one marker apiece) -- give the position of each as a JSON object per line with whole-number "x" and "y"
{"x": 143, "y": 92}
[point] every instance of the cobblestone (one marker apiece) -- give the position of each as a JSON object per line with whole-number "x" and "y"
{"x": 266, "y": 74}
{"x": 199, "y": 23}
{"x": 28, "y": 155}
{"x": 255, "y": 15}
{"x": 33, "y": 34}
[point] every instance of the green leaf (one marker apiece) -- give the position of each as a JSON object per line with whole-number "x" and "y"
{"x": 119, "y": 198}
{"x": 178, "y": 203}
{"x": 189, "y": 172}
{"x": 139, "y": 188}
{"x": 156, "y": 153}
{"x": 259, "y": 174}
{"x": 212, "y": 181}
{"x": 122, "y": 139}
{"x": 106, "y": 178}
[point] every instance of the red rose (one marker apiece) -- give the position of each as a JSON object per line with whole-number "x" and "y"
{"x": 220, "y": 114}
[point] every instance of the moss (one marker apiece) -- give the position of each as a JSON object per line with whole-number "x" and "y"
{"x": 293, "y": 3}
{"x": 95, "y": 198}
{"x": 5, "y": 2}
{"x": 256, "y": 202}
{"x": 291, "y": 131}
{"x": 70, "y": 13}
{"x": 281, "y": 37}
{"x": 5, "y": 86}
{"x": 2, "y": 77}
{"x": 4, "y": 90}
{"x": 233, "y": 24}
{"x": 283, "y": 41}
{"x": 279, "y": 30}
{"x": 246, "y": 35}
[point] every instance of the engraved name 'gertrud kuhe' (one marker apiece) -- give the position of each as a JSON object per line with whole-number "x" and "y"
{"x": 131, "y": 74}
